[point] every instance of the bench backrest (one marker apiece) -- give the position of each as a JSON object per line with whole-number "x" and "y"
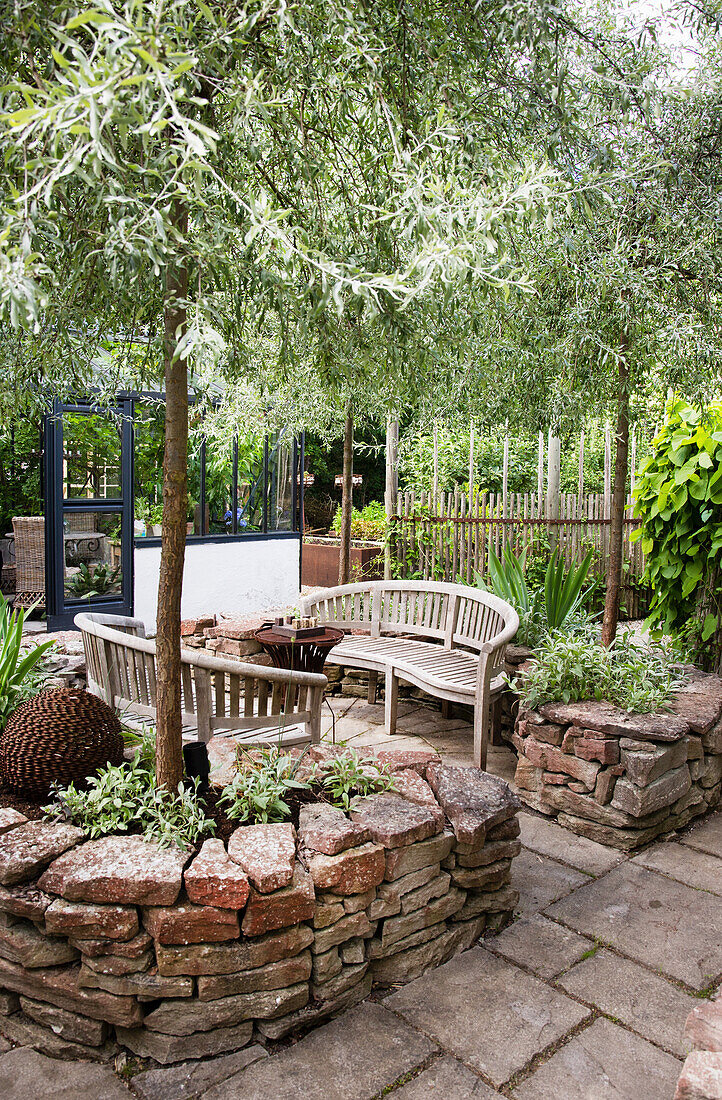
{"x": 217, "y": 694}
{"x": 453, "y": 614}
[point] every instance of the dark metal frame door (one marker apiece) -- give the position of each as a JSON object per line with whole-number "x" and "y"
{"x": 61, "y": 609}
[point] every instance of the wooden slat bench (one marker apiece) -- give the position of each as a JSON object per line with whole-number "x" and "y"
{"x": 447, "y": 639}
{"x": 218, "y": 695}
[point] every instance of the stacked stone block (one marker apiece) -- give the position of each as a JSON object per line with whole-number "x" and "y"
{"x": 175, "y": 956}
{"x": 622, "y": 778}
{"x": 701, "y": 1077}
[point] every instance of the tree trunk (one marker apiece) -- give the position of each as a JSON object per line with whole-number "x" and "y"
{"x": 169, "y": 744}
{"x": 553, "y": 480}
{"x": 344, "y": 559}
{"x": 392, "y": 487}
{"x": 619, "y": 493}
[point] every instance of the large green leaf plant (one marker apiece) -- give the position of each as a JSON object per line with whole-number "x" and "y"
{"x": 679, "y": 499}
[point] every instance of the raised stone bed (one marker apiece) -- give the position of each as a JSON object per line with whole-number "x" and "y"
{"x": 621, "y": 778}
{"x": 117, "y": 941}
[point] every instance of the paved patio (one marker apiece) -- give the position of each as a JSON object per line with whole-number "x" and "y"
{"x": 584, "y": 997}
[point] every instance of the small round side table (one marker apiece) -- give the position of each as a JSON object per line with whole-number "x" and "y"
{"x": 299, "y": 654}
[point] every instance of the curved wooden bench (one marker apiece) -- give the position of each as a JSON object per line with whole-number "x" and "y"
{"x": 218, "y": 695}
{"x": 447, "y": 639}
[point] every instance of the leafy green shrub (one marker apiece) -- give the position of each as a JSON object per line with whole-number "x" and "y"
{"x": 344, "y": 777}
{"x": 369, "y": 523}
{"x": 679, "y": 499}
{"x": 20, "y": 675}
{"x": 261, "y": 785}
{"x": 125, "y": 798}
{"x": 97, "y": 581}
{"x": 568, "y": 668}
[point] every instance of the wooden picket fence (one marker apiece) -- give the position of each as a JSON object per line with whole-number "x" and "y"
{"x": 449, "y": 537}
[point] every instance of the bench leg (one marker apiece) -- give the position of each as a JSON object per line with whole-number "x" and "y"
{"x": 481, "y": 734}
{"x": 392, "y": 701}
{"x": 373, "y": 686}
{"x": 446, "y": 708}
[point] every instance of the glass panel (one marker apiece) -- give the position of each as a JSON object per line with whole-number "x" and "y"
{"x": 91, "y": 456}
{"x": 250, "y": 485}
{"x": 92, "y": 562}
{"x": 149, "y": 443}
{"x": 280, "y": 487}
{"x": 219, "y": 486}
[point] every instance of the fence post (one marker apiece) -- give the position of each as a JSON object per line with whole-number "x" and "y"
{"x": 553, "y": 477}
{"x": 392, "y": 489}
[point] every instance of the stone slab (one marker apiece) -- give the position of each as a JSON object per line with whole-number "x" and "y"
{"x": 267, "y": 853}
{"x": 540, "y": 945}
{"x": 447, "y": 1079}
{"x": 694, "y": 868}
{"x": 662, "y": 792}
{"x": 605, "y": 718}
{"x": 326, "y": 829}
{"x": 707, "y": 836}
{"x": 701, "y": 1077}
{"x": 394, "y": 821}
{"x": 25, "y": 901}
{"x": 23, "y": 943}
{"x": 282, "y": 908}
{"x": 184, "y": 923}
{"x": 191, "y": 1079}
{"x": 473, "y": 800}
{"x": 118, "y": 869}
{"x": 352, "y": 871}
{"x": 661, "y": 923}
{"x": 703, "y": 1027}
{"x": 27, "y": 849}
{"x": 540, "y": 880}
{"x": 213, "y": 878}
{"x": 648, "y": 1004}
{"x": 487, "y": 1012}
{"x": 168, "y": 1049}
{"x": 69, "y": 1025}
{"x": 550, "y": 839}
{"x": 352, "y": 1058}
{"x": 603, "y": 1062}
{"x": 228, "y": 958}
{"x": 27, "y": 1075}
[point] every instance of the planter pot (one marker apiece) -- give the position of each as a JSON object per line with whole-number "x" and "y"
{"x": 321, "y": 557}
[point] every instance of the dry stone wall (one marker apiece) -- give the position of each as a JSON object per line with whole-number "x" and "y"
{"x": 118, "y": 941}
{"x": 622, "y": 778}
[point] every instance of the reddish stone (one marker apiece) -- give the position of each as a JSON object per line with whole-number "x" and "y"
{"x": 548, "y": 732}
{"x": 240, "y": 629}
{"x": 10, "y": 819}
{"x": 27, "y": 849}
{"x": 59, "y": 986}
{"x": 605, "y": 751}
{"x": 570, "y": 738}
{"x": 473, "y": 800}
{"x": 213, "y": 878}
{"x": 409, "y": 784}
{"x": 267, "y": 853}
{"x": 196, "y": 626}
{"x": 24, "y": 901}
{"x": 394, "y": 821}
{"x": 125, "y": 869}
{"x": 602, "y": 717}
{"x": 290, "y": 905}
{"x": 222, "y": 760}
{"x": 323, "y": 828}
{"x": 554, "y": 760}
{"x": 350, "y": 872}
{"x": 127, "y": 949}
{"x": 508, "y": 830}
{"x": 555, "y": 779}
{"x": 231, "y": 957}
{"x": 701, "y": 1077}
{"x": 704, "y": 1026}
{"x": 416, "y": 759}
{"x": 527, "y": 776}
{"x": 184, "y": 923}
{"x": 72, "y": 918}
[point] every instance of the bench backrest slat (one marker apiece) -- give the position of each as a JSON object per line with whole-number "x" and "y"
{"x": 455, "y": 615}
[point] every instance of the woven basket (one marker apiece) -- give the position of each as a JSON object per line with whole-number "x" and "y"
{"x": 62, "y": 735}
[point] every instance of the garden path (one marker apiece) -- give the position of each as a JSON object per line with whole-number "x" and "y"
{"x": 583, "y": 997}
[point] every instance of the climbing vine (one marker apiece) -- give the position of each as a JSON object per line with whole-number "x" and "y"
{"x": 679, "y": 499}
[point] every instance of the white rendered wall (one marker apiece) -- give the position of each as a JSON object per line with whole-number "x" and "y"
{"x": 237, "y": 577}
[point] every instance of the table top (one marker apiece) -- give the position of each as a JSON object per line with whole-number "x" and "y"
{"x": 330, "y": 636}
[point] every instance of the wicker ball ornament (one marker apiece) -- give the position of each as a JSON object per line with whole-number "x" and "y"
{"x": 62, "y": 735}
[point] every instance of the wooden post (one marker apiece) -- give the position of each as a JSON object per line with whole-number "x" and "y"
{"x": 505, "y": 488}
{"x": 391, "y": 495}
{"x": 472, "y": 464}
{"x": 607, "y": 471}
{"x": 540, "y": 473}
{"x": 633, "y": 468}
{"x": 435, "y": 486}
{"x": 344, "y": 557}
{"x": 616, "y": 527}
{"x": 580, "y": 492}
{"x": 553, "y": 478}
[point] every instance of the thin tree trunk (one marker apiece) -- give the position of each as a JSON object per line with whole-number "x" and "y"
{"x": 169, "y": 744}
{"x": 344, "y": 559}
{"x": 619, "y": 494}
{"x": 553, "y": 479}
{"x": 392, "y": 488}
